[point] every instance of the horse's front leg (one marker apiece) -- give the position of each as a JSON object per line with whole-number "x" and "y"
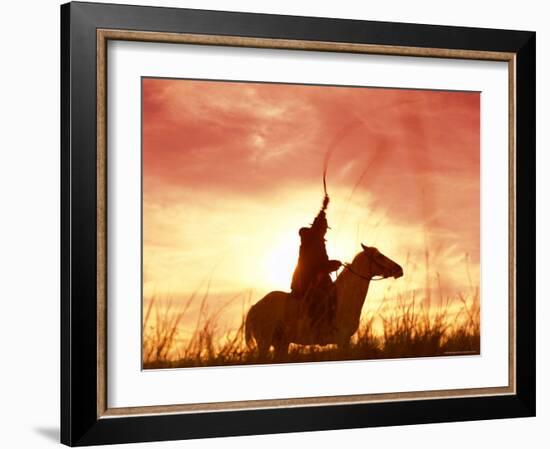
{"x": 343, "y": 343}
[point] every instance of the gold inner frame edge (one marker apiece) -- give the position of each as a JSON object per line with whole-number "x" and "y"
{"x": 103, "y": 36}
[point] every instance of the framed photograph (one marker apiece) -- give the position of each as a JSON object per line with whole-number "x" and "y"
{"x": 280, "y": 224}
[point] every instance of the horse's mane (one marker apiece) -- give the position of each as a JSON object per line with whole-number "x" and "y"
{"x": 346, "y": 269}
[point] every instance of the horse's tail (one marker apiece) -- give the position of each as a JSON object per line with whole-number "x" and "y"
{"x": 248, "y": 337}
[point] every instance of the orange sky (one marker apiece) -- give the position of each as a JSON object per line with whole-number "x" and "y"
{"x": 232, "y": 170}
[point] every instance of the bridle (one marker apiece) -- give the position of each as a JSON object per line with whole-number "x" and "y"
{"x": 352, "y": 271}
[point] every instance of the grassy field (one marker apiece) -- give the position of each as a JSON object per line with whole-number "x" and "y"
{"x": 399, "y": 328}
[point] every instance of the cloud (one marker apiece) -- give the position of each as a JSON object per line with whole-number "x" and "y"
{"x": 233, "y": 169}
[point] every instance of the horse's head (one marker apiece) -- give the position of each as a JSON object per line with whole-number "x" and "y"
{"x": 370, "y": 263}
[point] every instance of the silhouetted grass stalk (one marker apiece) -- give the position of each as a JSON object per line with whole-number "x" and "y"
{"x": 397, "y": 329}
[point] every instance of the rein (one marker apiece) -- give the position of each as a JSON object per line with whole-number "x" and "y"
{"x": 348, "y": 266}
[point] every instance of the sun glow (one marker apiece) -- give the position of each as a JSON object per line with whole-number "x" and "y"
{"x": 278, "y": 263}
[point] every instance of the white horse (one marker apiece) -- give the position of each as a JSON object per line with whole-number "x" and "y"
{"x": 279, "y": 319}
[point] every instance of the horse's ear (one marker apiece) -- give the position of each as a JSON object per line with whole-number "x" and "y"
{"x": 364, "y": 247}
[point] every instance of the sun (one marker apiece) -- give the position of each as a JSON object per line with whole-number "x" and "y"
{"x": 278, "y": 262}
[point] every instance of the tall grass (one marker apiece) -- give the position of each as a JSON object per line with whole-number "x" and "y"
{"x": 401, "y": 327}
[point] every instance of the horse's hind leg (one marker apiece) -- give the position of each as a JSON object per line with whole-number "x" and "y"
{"x": 280, "y": 344}
{"x": 263, "y": 349}
{"x": 281, "y": 351}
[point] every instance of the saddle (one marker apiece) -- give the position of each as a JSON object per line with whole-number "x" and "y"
{"x": 320, "y": 305}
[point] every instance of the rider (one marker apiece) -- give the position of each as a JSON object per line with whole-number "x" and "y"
{"x": 314, "y": 267}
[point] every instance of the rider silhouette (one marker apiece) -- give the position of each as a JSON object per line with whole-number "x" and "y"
{"x": 314, "y": 267}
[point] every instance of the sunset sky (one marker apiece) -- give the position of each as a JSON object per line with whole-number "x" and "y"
{"x": 232, "y": 170}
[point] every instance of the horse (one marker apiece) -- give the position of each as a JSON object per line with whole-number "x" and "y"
{"x": 279, "y": 319}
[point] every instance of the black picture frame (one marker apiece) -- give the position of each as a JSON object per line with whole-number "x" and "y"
{"x": 80, "y": 420}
